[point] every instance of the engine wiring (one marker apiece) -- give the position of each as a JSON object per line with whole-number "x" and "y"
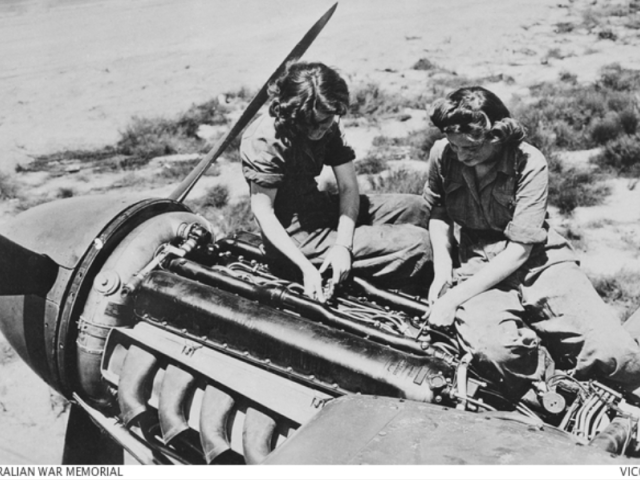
{"x": 591, "y": 410}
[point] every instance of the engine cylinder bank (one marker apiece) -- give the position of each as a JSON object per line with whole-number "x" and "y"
{"x": 282, "y": 341}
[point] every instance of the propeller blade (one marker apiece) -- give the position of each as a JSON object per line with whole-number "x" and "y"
{"x": 23, "y": 271}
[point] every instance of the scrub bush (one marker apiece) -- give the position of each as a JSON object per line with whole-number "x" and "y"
{"x": 238, "y": 216}
{"x": 65, "y": 192}
{"x": 209, "y": 113}
{"x": 8, "y": 187}
{"x": 146, "y": 138}
{"x": 570, "y": 188}
{"x": 622, "y": 156}
{"x": 217, "y": 196}
{"x": 606, "y": 129}
{"x": 570, "y": 116}
{"x": 422, "y": 141}
{"x": 400, "y": 181}
{"x": 424, "y": 64}
{"x": 371, "y": 165}
{"x": 369, "y": 100}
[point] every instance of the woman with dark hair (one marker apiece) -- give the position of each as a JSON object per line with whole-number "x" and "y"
{"x": 515, "y": 280}
{"x": 382, "y": 237}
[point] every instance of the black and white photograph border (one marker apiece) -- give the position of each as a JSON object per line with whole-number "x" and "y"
{"x": 106, "y": 107}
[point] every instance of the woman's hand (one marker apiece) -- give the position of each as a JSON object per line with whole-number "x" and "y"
{"x": 441, "y": 283}
{"x": 339, "y": 258}
{"x": 313, "y": 283}
{"x": 443, "y": 311}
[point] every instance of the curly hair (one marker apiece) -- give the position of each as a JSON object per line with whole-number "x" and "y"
{"x": 478, "y": 113}
{"x": 303, "y": 90}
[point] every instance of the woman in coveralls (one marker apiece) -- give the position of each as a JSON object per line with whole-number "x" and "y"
{"x": 382, "y": 237}
{"x": 518, "y": 281}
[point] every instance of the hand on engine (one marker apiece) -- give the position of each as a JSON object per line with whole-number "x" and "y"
{"x": 339, "y": 259}
{"x": 443, "y": 312}
{"x": 440, "y": 285}
{"x": 313, "y": 283}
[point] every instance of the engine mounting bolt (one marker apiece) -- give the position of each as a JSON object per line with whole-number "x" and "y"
{"x": 438, "y": 399}
{"x": 266, "y": 360}
{"x": 224, "y": 345}
{"x": 246, "y": 353}
{"x": 335, "y": 385}
{"x": 312, "y": 377}
{"x": 289, "y": 369}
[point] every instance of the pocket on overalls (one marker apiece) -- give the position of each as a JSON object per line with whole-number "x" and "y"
{"x": 455, "y": 202}
{"x": 502, "y": 208}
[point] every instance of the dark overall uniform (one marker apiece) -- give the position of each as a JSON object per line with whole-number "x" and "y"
{"x": 390, "y": 245}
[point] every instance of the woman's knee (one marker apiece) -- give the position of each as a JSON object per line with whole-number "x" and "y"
{"x": 415, "y": 244}
{"x": 415, "y": 209}
{"x": 399, "y": 208}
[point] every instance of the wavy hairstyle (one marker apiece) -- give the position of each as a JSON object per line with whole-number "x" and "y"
{"x": 303, "y": 90}
{"x": 478, "y": 113}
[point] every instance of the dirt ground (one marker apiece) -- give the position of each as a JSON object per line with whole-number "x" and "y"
{"x": 74, "y": 72}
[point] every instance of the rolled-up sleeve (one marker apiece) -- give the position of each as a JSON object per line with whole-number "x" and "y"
{"x": 262, "y": 160}
{"x": 527, "y": 224}
{"x": 433, "y": 191}
{"x": 338, "y": 150}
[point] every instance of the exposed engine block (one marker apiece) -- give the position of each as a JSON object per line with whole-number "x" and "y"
{"x": 221, "y": 361}
{"x": 188, "y": 350}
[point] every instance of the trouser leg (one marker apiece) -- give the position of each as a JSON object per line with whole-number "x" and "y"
{"x": 393, "y": 209}
{"x": 390, "y": 244}
{"x": 504, "y": 349}
{"x": 390, "y": 255}
{"x": 578, "y": 328}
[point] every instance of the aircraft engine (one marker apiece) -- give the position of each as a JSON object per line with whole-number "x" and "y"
{"x": 183, "y": 348}
{"x": 150, "y": 321}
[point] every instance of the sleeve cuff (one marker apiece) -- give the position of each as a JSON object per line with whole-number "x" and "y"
{"x": 526, "y": 235}
{"x": 439, "y": 213}
{"x": 266, "y": 180}
{"x": 342, "y": 159}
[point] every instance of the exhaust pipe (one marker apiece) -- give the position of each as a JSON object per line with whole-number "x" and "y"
{"x": 176, "y": 386}
{"x": 257, "y": 436}
{"x": 214, "y": 420}
{"x": 134, "y": 386}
